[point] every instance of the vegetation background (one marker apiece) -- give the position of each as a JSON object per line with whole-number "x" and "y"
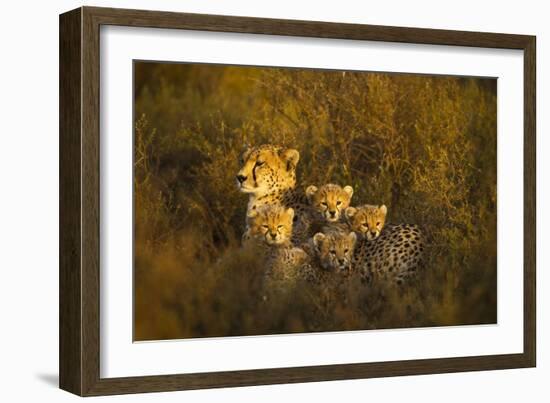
{"x": 423, "y": 145}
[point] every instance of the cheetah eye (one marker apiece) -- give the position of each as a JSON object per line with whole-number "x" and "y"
{"x": 338, "y": 202}
{"x": 365, "y": 225}
{"x": 323, "y": 204}
{"x": 378, "y": 224}
{"x": 346, "y": 251}
{"x": 333, "y": 252}
{"x": 265, "y": 226}
{"x": 280, "y": 226}
{"x": 259, "y": 163}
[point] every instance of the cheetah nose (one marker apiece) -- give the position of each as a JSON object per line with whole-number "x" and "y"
{"x": 332, "y": 213}
{"x": 241, "y": 178}
{"x": 341, "y": 261}
{"x": 373, "y": 233}
{"x": 273, "y": 236}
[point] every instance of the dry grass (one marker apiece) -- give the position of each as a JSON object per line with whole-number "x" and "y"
{"x": 424, "y": 146}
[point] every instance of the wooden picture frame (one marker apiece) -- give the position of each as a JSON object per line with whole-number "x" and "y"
{"x": 80, "y": 199}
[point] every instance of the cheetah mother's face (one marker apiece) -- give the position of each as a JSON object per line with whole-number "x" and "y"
{"x": 267, "y": 168}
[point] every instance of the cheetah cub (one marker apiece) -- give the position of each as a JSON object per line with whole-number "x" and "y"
{"x": 392, "y": 252}
{"x": 270, "y": 227}
{"x": 327, "y": 206}
{"x": 367, "y": 221}
{"x": 334, "y": 250}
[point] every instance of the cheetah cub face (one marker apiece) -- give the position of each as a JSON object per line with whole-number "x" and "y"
{"x": 367, "y": 220}
{"x": 335, "y": 250}
{"x": 271, "y": 224}
{"x": 329, "y": 201}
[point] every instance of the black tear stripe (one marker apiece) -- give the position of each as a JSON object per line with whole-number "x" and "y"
{"x": 254, "y": 174}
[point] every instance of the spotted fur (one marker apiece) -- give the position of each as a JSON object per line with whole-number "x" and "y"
{"x": 395, "y": 255}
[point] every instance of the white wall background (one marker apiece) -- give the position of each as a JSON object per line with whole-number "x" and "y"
{"x": 29, "y": 202}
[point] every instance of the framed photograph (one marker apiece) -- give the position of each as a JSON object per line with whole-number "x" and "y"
{"x": 251, "y": 201}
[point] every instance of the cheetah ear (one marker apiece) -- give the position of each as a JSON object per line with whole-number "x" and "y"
{"x": 310, "y": 191}
{"x": 349, "y": 190}
{"x": 292, "y": 157}
{"x": 318, "y": 239}
{"x": 246, "y": 151}
{"x": 383, "y": 209}
{"x": 352, "y": 237}
{"x": 350, "y": 212}
{"x": 290, "y": 212}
